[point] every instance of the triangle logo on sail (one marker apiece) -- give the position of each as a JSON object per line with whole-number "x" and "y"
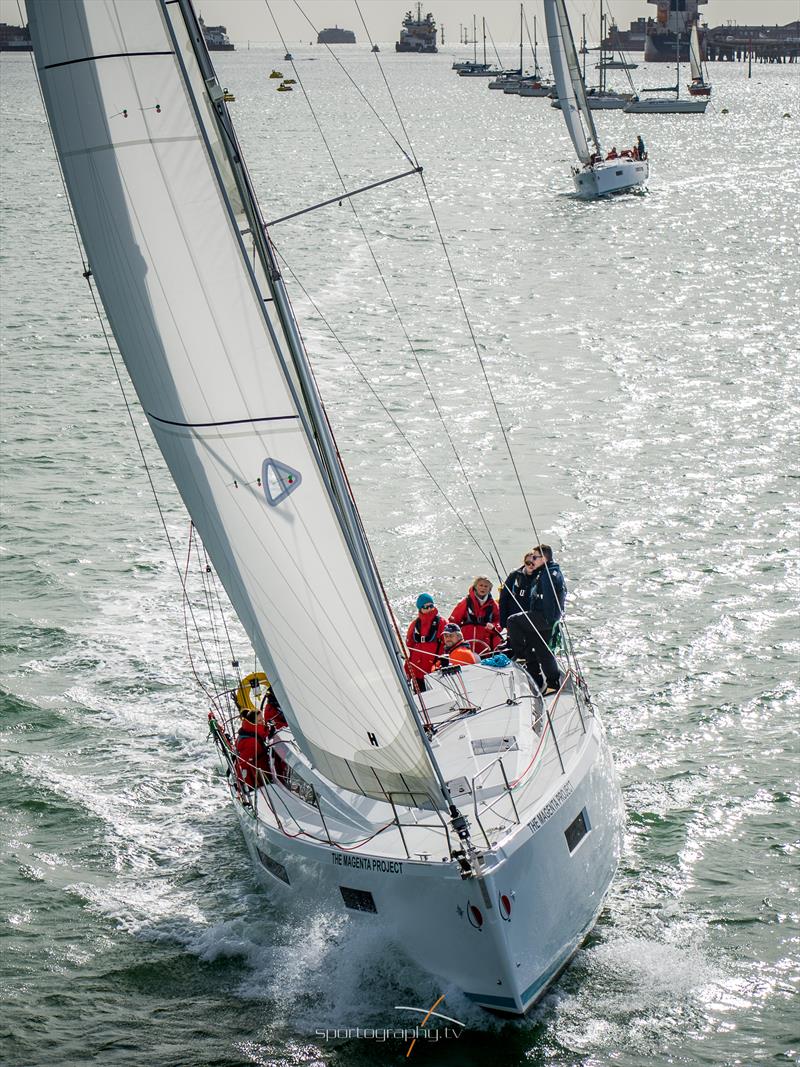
{"x": 278, "y": 480}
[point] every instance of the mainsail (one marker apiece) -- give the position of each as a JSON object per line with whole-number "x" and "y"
{"x": 571, "y": 90}
{"x": 207, "y": 335}
{"x": 695, "y": 63}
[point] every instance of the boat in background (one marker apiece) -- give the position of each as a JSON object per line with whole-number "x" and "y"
{"x": 417, "y": 34}
{"x": 216, "y": 37}
{"x": 477, "y": 823}
{"x": 700, "y": 84}
{"x": 668, "y": 105}
{"x": 596, "y": 176}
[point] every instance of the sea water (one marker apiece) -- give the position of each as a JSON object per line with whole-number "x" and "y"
{"x": 642, "y": 355}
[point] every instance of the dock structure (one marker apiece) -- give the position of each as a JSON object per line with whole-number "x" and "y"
{"x": 762, "y": 44}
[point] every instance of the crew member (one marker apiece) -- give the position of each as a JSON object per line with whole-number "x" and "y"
{"x": 424, "y": 641}
{"x": 530, "y": 631}
{"x": 252, "y": 749}
{"x": 479, "y": 616}
{"x": 455, "y": 649}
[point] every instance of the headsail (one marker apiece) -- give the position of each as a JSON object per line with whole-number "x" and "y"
{"x": 571, "y": 90}
{"x": 204, "y": 329}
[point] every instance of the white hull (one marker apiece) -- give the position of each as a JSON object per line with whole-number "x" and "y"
{"x": 610, "y": 176}
{"x": 603, "y": 102}
{"x": 504, "y": 932}
{"x": 535, "y": 90}
{"x": 696, "y": 106}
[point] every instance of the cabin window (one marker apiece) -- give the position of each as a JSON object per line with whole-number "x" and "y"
{"x": 358, "y": 899}
{"x": 577, "y": 830}
{"x": 274, "y": 868}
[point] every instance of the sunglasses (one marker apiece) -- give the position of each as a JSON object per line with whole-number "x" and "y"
{"x": 428, "y": 607}
{"x": 532, "y": 560}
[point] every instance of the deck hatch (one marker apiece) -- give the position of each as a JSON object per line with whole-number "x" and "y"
{"x": 577, "y": 830}
{"x": 485, "y": 746}
{"x": 358, "y": 899}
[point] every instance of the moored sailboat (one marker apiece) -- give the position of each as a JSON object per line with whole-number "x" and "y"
{"x": 596, "y": 175}
{"x": 478, "y": 821}
{"x": 669, "y": 105}
{"x": 699, "y": 85}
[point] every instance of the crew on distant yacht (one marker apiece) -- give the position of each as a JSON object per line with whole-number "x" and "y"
{"x": 455, "y": 649}
{"x": 424, "y": 641}
{"x": 532, "y": 629}
{"x": 479, "y": 616}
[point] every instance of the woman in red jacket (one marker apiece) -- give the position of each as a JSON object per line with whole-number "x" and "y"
{"x": 479, "y": 617}
{"x": 424, "y": 640}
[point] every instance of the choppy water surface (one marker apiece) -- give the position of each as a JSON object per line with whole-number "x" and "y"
{"x": 644, "y": 356}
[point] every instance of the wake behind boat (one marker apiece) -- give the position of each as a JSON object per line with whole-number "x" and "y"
{"x": 597, "y": 174}
{"x": 477, "y": 822}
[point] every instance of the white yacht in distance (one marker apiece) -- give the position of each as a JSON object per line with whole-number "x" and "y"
{"x": 595, "y": 176}
{"x": 477, "y": 823}
{"x": 696, "y": 104}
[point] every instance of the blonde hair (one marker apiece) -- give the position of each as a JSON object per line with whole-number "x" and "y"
{"x": 481, "y": 578}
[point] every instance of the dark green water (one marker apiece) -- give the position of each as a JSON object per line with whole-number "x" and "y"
{"x": 645, "y": 357}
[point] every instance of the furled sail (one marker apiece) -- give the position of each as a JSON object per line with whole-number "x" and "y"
{"x": 695, "y": 64}
{"x": 571, "y": 90}
{"x": 207, "y": 337}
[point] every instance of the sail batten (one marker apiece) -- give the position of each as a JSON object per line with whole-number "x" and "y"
{"x": 195, "y": 319}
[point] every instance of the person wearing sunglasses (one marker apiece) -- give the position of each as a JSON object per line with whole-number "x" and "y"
{"x": 538, "y": 592}
{"x": 424, "y": 641}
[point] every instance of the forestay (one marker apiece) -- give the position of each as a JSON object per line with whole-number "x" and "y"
{"x": 567, "y": 75}
{"x": 195, "y": 321}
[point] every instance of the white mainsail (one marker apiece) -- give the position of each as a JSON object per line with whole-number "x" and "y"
{"x": 695, "y": 63}
{"x": 206, "y": 339}
{"x": 569, "y": 83}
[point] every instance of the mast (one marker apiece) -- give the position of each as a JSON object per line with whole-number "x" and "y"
{"x": 483, "y": 23}
{"x": 602, "y": 50}
{"x": 520, "y": 40}
{"x": 583, "y": 50}
{"x": 678, "y": 66}
{"x": 475, "y": 42}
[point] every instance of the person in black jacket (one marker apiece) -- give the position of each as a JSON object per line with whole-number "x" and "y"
{"x": 538, "y": 592}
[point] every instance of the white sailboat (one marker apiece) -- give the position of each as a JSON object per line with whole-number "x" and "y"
{"x": 595, "y": 176}
{"x": 699, "y": 85}
{"x": 535, "y": 84}
{"x": 478, "y": 823}
{"x": 669, "y": 105}
{"x": 602, "y": 97}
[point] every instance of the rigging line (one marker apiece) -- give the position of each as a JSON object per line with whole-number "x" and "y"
{"x": 186, "y": 603}
{"x": 87, "y": 274}
{"x": 384, "y": 408}
{"x": 395, "y": 307}
{"x": 494, "y": 46}
{"x": 386, "y": 82}
{"x": 221, "y": 609}
{"x": 472, "y": 334}
{"x": 352, "y": 81}
{"x": 209, "y": 607}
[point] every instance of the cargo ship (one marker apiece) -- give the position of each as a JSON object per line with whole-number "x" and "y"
{"x": 14, "y": 38}
{"x": 673, "y": 20}
{"x": 216, "y": 37}
{"x": 418, "y": 34}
